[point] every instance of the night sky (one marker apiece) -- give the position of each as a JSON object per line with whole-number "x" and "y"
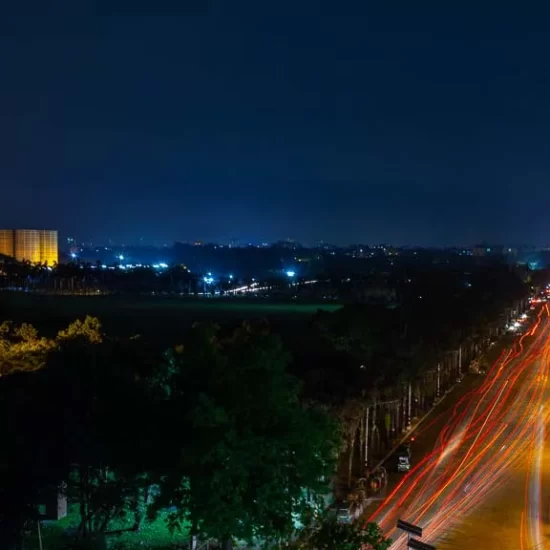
{"x": 342, "y": 121}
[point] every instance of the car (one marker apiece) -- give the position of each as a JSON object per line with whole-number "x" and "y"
{"x": 343, "y": 516}
{"x": 403, "y": 463}
{"x": 404, "y": 458}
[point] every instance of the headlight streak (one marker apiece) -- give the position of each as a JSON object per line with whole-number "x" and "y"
{"x": 487, "y": 436}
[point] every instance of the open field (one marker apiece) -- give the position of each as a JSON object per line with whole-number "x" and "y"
{"x": 160, "y": 318}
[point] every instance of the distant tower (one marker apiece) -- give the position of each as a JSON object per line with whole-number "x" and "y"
{"x": 32, "y": 245}
{"x": 48, "y": 247}
{"x": 27, "y": 245}
{"x": 6, "y": 242}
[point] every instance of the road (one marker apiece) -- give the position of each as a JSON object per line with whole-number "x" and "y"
{"x": 486, "y": 484}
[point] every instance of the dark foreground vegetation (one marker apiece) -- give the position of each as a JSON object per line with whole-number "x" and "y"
{"x": 232, "y": 434}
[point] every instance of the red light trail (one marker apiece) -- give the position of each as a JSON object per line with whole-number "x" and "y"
{"x": 492, "y": 430}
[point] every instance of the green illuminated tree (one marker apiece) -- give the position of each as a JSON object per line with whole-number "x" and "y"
{"x": 250, "y": 450}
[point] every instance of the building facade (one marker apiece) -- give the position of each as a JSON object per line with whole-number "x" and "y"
{"x": 27, "y": 245}
{"x": 32, "y": 245}
{"x": 48, "y": 246}
{"x": 6, "y": 243}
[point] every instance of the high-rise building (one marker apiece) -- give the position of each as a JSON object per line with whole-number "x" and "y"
{"x": 48, "y": 246}
{"x": 32, "y": 245}
{"x": 6, "y": 242}
{"x": 27, "y": 245}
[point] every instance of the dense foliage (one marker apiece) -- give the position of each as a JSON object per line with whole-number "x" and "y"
{"x": 214, "y": 432}
{"x": 364, "y": 347}
{"x": 328, "y": 534}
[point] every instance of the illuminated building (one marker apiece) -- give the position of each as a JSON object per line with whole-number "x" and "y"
{"x": 32, "y": 245}
{"x": 27, "y": 245}
{"x": 6, "y": 242}
{"x": 48, "y": 246}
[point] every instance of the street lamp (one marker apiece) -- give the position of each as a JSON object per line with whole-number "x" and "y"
{"x": 290, "y": 274}
{"x": 416, "y": 531}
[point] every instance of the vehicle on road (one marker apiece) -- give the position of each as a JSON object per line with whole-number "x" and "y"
{"x": 343, "y": 514}
{"x": 404, "y": 458}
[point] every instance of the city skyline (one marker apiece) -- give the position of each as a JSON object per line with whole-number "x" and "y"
{"x": 68, "y": 242}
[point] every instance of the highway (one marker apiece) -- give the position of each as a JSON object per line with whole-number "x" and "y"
{"x": 486, "y": 484}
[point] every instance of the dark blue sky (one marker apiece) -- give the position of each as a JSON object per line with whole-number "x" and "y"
{"x": 344, "y": 121}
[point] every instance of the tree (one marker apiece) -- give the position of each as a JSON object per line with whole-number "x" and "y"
{"x": 85, "y": 409}
{"x": 32, "y": 455}
{"x": 109, "y": 396}
{"x": 328, "y": 534}
{"x": 21, "y": 349}
{"x": 88, "y": 331}
{"x": 250, "y": 451}
{"x": 37, "y": 450}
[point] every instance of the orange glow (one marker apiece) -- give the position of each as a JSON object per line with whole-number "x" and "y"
{"x": 32, "y": 245}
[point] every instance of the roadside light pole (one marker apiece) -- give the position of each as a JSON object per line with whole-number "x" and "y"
{"x": 291, "y": 274}
{"x": 367, "y": 432}
{"x": 409, "y": 403}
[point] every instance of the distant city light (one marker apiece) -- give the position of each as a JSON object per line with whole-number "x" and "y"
{"x": 163, "y": 265}
{"x": 73, "y": 255}
{"x": 290, "y": 273}
{"x": 208, "y": 280}
{"x": 121, "y": 257}
{"x": 231, "y": 276}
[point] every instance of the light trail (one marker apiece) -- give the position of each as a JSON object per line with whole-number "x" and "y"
{"x": 534, "y": 499}
{"x": 491, "y": 431}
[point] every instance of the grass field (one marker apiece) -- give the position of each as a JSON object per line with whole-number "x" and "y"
{"x": 159, "y": 318}
{"x": 153, "y": 535}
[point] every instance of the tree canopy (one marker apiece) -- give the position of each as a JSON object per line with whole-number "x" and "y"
{"x": 214, "y": 431}
{"x": 328, "y": 534}
{"x": 250, "y": 451}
